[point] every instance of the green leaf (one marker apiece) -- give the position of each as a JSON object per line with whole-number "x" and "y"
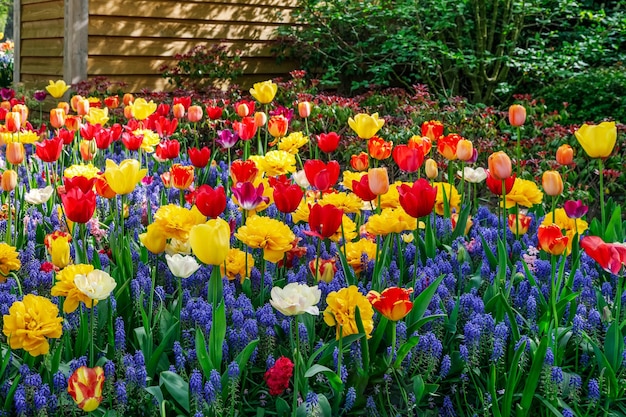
{"x": 614, "y": 345}
{"x": 244, "y": 356}
{"x": 282, "y": 408}
{"x": 201, "y": 353}
{"x": 489, "y": 253}
{"x": 364, "y": 345}
{"x": 420, "y": 304}
{"x": 405, "y": 349}
{"x": 177, "y": 387}
{"x": 461, "y": 223}
{"x": 156, "y": 355}
{"x": 512, "y": 380}
{"x": 333, "y": 378}
{"x": 532, "y": 379}
{"x": 217, "y": 336}
{"x": 418, "y": 388}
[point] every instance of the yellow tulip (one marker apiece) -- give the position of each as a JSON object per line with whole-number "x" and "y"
{"x": 366, "y": 126}
{"x": 597, "y": 140}
{"x": 154, "y": 239}
{"x": 141, "y": 109}
{"x": 60, "y": 251}
{"x": 97, "y": 116}
{"x": 264, "y": 92}
{"x": 210, "y": 242}
{"x": 57, "y": 88}
{"x": 124, "y": 178}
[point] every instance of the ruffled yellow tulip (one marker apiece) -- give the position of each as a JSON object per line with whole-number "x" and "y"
{"x": 210, "y": 242}
{"x": 366, "y": 126}
{"x": 57, "y": 88}
{"x": 123, "y": 178}
{"x": 597, "y": 140}
{"x": 264, "y": 92}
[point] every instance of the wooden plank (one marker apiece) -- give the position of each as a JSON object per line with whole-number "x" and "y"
{"x": 42, "y": 11}
{"x": 42, "y": 47}
{"x": 191, "y": 11}
{"x": 168, "y": 47}
{"x": 156, "y": 28}
{"x": 111, "y": 5}
{"x": 45, "y": 29}
{"x": 42, "y": 66}
{"x": 39, "y": 1}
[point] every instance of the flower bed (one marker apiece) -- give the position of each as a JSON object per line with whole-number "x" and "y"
{"x": 187, "y": 256}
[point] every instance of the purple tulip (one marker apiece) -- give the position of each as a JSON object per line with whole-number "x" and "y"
{"x": 249, "y": 196}
{"x": 40, "y": 95}
{"x": 7, "y": 93}
{"x": 226, "y": 138}
{"x": 575, "y": 209}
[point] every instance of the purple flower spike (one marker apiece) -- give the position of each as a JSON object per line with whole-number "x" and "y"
{"x": 248, "y": 196}
{"x": 226, "y": 138}
{"x": 575, "y": 209}
{"x": 40, "y": 95}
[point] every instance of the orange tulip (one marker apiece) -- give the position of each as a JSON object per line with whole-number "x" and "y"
{"x": 565, "y": 155}
{"x": 9, "y": 180}
{"x": 500, "y": 165}
{"x": 194, "y": 114}
{"x": 13, "y": 121}
{"x": 517, "y": 115}
{"x": 378, "y": 180}
{"x": 393, "y": 303}
{"x": 65, "y": 106}
{"x": 128, "y": 112}
{"x": 378, "y": 148}
{"x": 464, "y": 150}
{"x": 112, "y": 102}
{"x": 277, "y": 126}
{"x": 359, "y": 162}
{"x": 15, "y": 153}
{"x": 181, "y": 177}
{"x": 57, "y": 118}
{"x": 433, "y": 130}
{"x": 103, "y": 189}
{"x": 85, "y": 387}
{"x": 82, "y": 107}
{"x": 304, "y": 109}
{"x": 523, "y": 223}
{"x": 551, "y": 239}
{"x": 72, "y": 123}
{"x": 552, "y": 183}
{"x": 421, "y": 142}
{"x": 127, "y": 99}
{"x": 87, "y": 151}
{"x": 22, "y": 110}
{"x": 431, "y": 168}
{"x": 178, "y": 110}
{"x": 6, "y": 105}
{"x": 447, "y": 145}
{"x": 260, "y": 119}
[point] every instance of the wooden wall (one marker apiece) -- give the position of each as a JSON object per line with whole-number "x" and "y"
{"x": 41, "y": 46}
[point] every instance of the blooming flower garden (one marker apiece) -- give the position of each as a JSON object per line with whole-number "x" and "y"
{"x": 290, "y": 253}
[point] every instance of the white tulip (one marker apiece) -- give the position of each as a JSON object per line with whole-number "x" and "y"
{"x": 177, "y": 246}
{"x": 296, "y": 298}
{"x": 473, "y": 175}
{"x": 96, "y": 285}
{"x": 38, "y": 196}
{"x": 300, "y": 179}
{"x": 182, "y": 266}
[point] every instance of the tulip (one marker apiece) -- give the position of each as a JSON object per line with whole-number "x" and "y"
{"x": 378, "y": 180}
{"x": 57, "y": 118}
{"x": 472, "y": 175}
{"x": 464, "y": 150}
{"x": 431, "y": 169}
{"x": 393, "y": 303}
{"x": 610, "y": 256}
{"x": 378, "y": 148}
{"x": 9, "y": 180}
{"x": 248, "y": 196}
{"x": 165, "y": 127}
{"x": 264, "y": 92}
{"x": 277, "y": 126}
{"x": 419, "y": 199}
{"x": 454, "y": 218}
{"x": 246, "y": 128}
{"x": 65, "y": 106}
{"x": 142, "y": 109}
{"x": 214, "y": 112}
{"x": 181, "y": 266}
{"x": 362, "y": 189}
{"x": 128, "y": 112}
{"x": 287, "y": 198}
{"x": 97, "y": 116}
{"x": 304, "y": 109}
{"x": 49, "y": 150}
{"x": 551, "y": 239}
{"x": 97, "y": 284}
{"x": 210, "y": 242}
{"x": 185, "y": 101}
{"x": 112, "y": 102}
{"x": 38, "y": 196}
{"x": 324, "y": 220}
{"x": 243, "y": 171}
{"x": 517, "y": 115}
{"x": 194, "y": 114}
{"x": 15, "y": 153}
{"x": 326, "y": 269}
{"x": 57, "y": 88}
{"x": 359, "y": 162}
{"x": 519, "y": 223}
{"x": 167, "y": 149}
{"x": 447, "y": 146}
{"x": 366, "y": 126}
{"x": 123, "y": 178}
{"x": 244, "y": 108}
{"x": 495, "y": 185}
{"x": 565, "y": 155}
{"x": 153, "y": 240}
{"x": 433, "y": 130}
{"x": 103, "y": 189}
{"x": 85, "y": 387}
{"x": 500, "y": 166}
{"x": 299, "y": 177}
{"x": 59, "y": 249}
{"x": 420, "y": 142}
{"x": 73, "y": 123}
{"x": 226, "y": 138}
{"x": 408, "y": 159}
{"x": 598, "y": 141}
{"x": 575, "y": 209}
{"x": 552, "y": 183}
{"x": 82, "y": 107}
{"x": 181, "y": 177}
{"x": 178, "y": 110}
{"x": 328, "y": 142}
{"x": 211, "y": 202}
{"x": 131, "y": 141}
{"x": 13, "y": 121}
{"x": 260, "y": 119}
{"x": 79, "y": 206}
{"x": 87, "y": 151}
{"x": 320, "y": 175}
{"x": 199, "y": 157}
{"x": 128, "y": 99}
{"x": 295, "y": 299}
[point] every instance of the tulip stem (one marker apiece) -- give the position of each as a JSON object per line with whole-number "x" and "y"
{"x": 8, "y": 235}
{"x": 602, "y": 218}
{"x": 393, "y": 341}
{"x": 296, "y": 362}
{"x": 83, "y": 237}
{"x": 519, "y": 151}
{"x": 91, "y": 323}
{"x": 504, "y": 222}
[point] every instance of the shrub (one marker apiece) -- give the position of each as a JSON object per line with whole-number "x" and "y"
{"x": 6, "y": 63}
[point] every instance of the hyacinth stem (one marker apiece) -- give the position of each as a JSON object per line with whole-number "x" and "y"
{"x": 296, "y": 368}
{"x": 602, "y": 217}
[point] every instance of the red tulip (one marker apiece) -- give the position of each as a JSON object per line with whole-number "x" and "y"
{"x": 417, "y": 200}
{"x": 359, "y": 162}
{"x": 103, "y": 138}
{"x": 185, "y": 101}
{"x": 244, "y": 108}
{"x": 79, "y": 205}
{"x": 393, "y": 303}
{"x": 112, "y": 102}
{"x": 165, "y": 127}
{"x": 496, "y": 185}
{"x": 246, "y": 128}
{"x": 433, "y": 130}
{"x": 320, "y": 175}
{"x": 551, "y": 239}
{"x": 328, "y": 142}
{"x": 243, "y": 171}
{"x": 210, "y": 202}
{"x": 162, "y": 109}
{"x": 214, "y": 112}
{"x": 49, "y": 150}
{"x": 362, "y": 189}
{"x": 379, "y": 148}
{"x": 131, "y": 141}
{"x": 88, "y": 131}
{"x": 181, "y": 176}
{"x": 287, "y": 198}
{"x": 610, "y": 256}
{"x": 324, "y": 220}
{"x": 67, "y": 136}
{"x": 85, "y": 387}
{"x": 168, "y": 149}
{"x": 199, "y": 157}
{"x": 408, "y": 159}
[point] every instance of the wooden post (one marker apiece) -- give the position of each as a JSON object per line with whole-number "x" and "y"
{"x": 75, "y": 41}
{"x": 17, "y": 39}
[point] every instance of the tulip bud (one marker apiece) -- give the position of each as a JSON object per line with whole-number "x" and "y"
{"x": 194, "y": 114}
{"x": 82, "y": 107}
{"x": 464, "y": 150}
{"x": 304, "y": 109}
{"x": 85, "y": 151}
{"x": 431, "y": 169}
{"x": 128, "y": 112}
{"x": 260, "y": 118}
{"x": 128, "y": 99}
{"x": 552, "y": 183}
{"x": 500, "y": 165}
{"x": 565, "y": 155}
{"x": 15, "y": 153}
{"x": 378, "y": 180}
{"x": 178, "y": 110}
{"x": 57, "y": 118}
{"x": 65, "y": 106}
{"x": 13, "y": 121}
{"x": 517, "y": 115}
{"x": 242, "y": 110}
{"x": 9, "y": 180}
{"x": 22, "y": 110}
